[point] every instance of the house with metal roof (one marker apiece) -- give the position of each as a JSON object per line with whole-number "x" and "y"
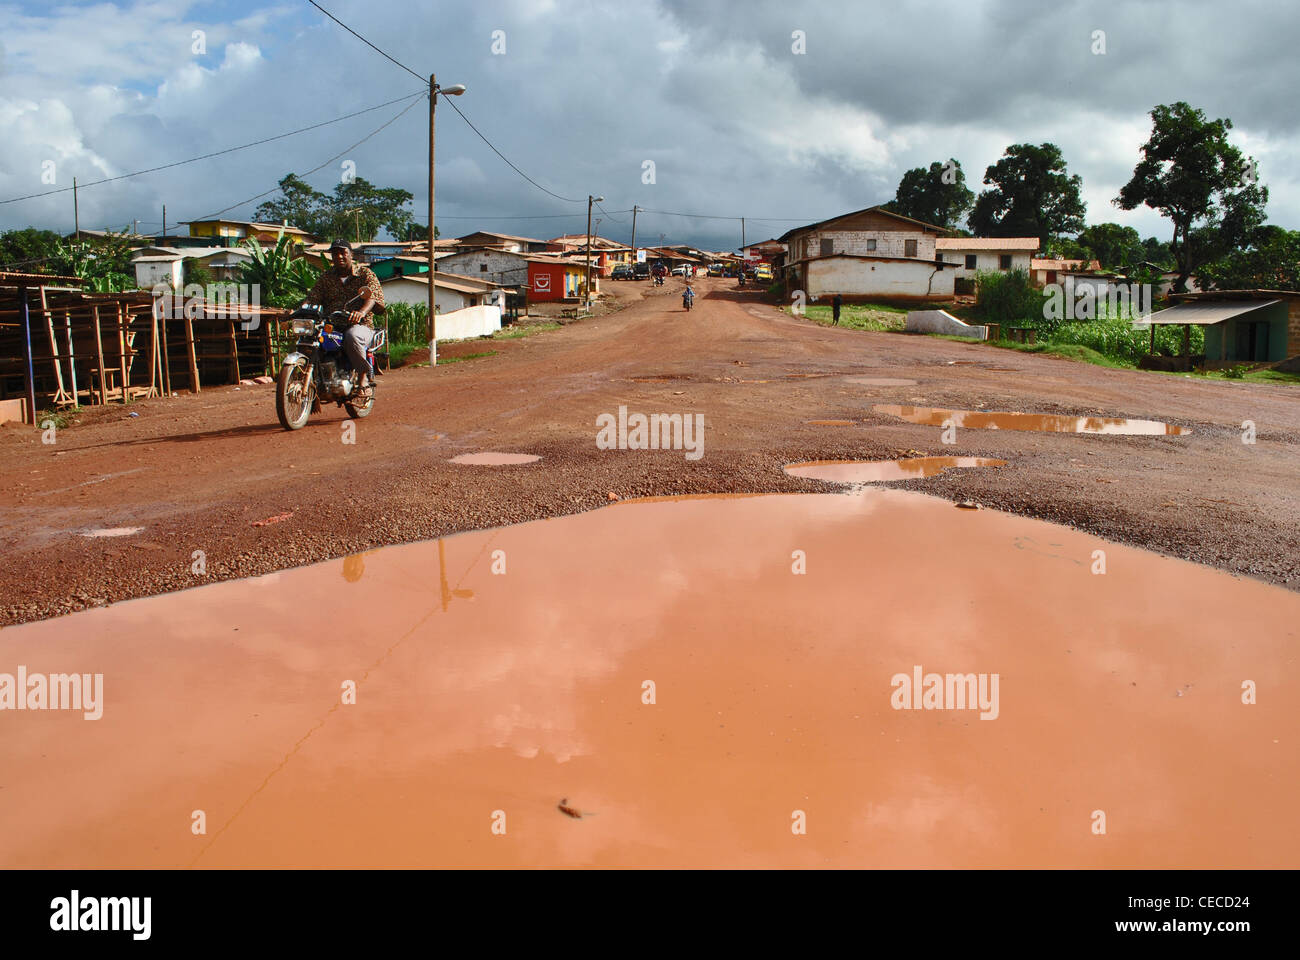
{"x": 986, "y": 254}
{"x": 868, "y": 254}
{"x": 1241, "y": 326}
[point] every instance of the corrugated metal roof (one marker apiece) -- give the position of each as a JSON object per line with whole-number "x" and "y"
{"x": 1207, "y": 313}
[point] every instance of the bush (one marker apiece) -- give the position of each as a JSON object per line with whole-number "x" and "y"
{"x": 1008, "y": 298}
{"x": 1117, "y": 338}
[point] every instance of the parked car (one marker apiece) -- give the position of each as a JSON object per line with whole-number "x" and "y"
{"x": 622, "y": 271}
{"x": 764, "y": 272}
{"x": 640, "y": 271}
{"x": 681, "y": 271}
{"x": 715, "y": 269}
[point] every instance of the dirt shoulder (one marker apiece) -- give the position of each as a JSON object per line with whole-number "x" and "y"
{"x": 213, "y": 476}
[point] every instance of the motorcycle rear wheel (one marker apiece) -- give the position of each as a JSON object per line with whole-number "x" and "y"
{"x": 293, "y": 396}
{"x": 359, "y": 411}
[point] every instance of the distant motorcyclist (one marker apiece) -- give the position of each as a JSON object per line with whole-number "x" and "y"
{"x": 688, "y": 296}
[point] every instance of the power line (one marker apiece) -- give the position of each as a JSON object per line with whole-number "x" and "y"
{"x": 367, "y": 42}
{"x": 512, "y": 166}
{"x": 321, "y": 166}
{"x": 208, "y": 156}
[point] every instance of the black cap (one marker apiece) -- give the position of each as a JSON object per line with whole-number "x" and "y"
{"x": 340, "y": 245}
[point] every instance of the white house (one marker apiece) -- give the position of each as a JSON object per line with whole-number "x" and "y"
{"x": 153, "y": 269}
{"x": 868, "y": 253}
{"x": 450, "y": 294}
{"x": 979, "y": 254}
{"x": 504, "y": 267}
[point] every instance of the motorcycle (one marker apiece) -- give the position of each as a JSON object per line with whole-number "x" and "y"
{"x": 319, "y": 369}
{"x": 687, "y": 300}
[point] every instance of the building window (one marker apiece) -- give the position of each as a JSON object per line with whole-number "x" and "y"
{"x": 482, "y": 268}
{"x": 971, "y": 260}
{"x": 871, "y": 246}
{"x": 828, "y": 247}
{"x": 909, "y": 248}
{"x": 1004, "y": 261}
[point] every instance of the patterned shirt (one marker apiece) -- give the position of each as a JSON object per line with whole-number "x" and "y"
{"x": 332, "y": 291}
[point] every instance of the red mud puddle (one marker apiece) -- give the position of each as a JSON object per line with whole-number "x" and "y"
{"x": 879, "y": 471}
{"x": 1044, "y": 422}
{"x": 494, "y": 459}
{"x": 830, "y": 423}
{"x": 112, "y": 532}
{"x": 882, "y": 381}
{"x": 502, "y": 673}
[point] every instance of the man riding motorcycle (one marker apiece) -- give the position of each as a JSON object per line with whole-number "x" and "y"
{"x": 335, "y": 288}
{"x": 688, "y": 296}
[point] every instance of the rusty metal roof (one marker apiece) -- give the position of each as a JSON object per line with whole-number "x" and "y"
{"x": 987, "y": 243}
{"x": 1207, "y": 312}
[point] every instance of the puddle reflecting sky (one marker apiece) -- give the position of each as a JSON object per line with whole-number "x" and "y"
{"x": 877, "y": 471}
{"x": 504, "y": 670}
{"x": 1044, "y": 422}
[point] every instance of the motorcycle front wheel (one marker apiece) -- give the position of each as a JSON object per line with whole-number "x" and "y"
{"x": 359, "y": 411}
{"x": 293, "y": 396}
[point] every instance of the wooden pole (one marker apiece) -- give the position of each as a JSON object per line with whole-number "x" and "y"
{"x": 122, "y": 323}
{"x": 28, "y": 371}
{"x": 166, "y": 360}
{"x": 72, "y": 358}
{"x": 99, "y": 356}
{"x": 189, "y": 348}
{"x": 433, "y": 282}
{"x": 60, "y": 394}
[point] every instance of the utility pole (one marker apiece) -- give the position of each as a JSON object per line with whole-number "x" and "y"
{"x": 742, "y": 234}
{"x": 455, "y": 90}
{"x": 587, "y": 293}
{"x": 76, "y": 216}
{"x": 163, "y": 236}
{"x": 634, "y": 209}
{"x": 135, "y": 231}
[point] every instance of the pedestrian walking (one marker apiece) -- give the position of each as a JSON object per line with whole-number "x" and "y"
{"x": 835, "y": 310}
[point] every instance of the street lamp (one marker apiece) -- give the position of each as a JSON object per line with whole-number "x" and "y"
{"x": 590, "y": 201}
{"x": 455, "y": 90}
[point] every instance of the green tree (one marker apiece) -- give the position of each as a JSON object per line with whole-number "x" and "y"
{"x": 1031, "y": 195}
{"x": 1114, "y": 245}
{"x": 937, "y": 195}
{"x": 28, "y": 250}
{"x": 1195, "y": 177}
{"x": 1270, "y": 262}
{"x": 298, "y": 204}
{"x": 1158, "y": 252}
{"x": 355, "y": 207}
{"x": 104, "y": 262}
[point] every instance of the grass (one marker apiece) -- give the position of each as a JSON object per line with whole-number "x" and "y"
{"x": 876, "y": 317}
{"x": 468, "y": 356}
{"x": 1070, "y": 351}
{"x": 515, "y": 331}
{"x": 62, "y": 419}
{"x": 398, "y": 352}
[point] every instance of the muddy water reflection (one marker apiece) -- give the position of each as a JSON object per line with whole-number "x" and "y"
{"x": 1045, "y": 422}
{"x": 772, "y": 693}
{"x": 877, "y": 471}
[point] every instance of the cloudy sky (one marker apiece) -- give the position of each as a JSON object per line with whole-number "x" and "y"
{"x": 583, "y": 93}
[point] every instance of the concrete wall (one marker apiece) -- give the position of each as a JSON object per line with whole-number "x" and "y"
{"x": 405, "y": 290}
{"x": 889, "y": 243}
{"x": 150, "y": 273}
{"x": 940, "y": 321}
{"x": 901, "y": 280}
{"x": 986, "y": 260}
{"x": 508, "y": 269}
{"x": 470, "y": 322}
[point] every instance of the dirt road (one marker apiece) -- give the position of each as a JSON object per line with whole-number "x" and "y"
{"x": 220, "y": 491}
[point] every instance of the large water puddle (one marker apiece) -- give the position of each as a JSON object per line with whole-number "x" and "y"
{"x": 699, "y": 679}
{"x": 879, "y": 471}
{"x": 1044, "y": 422}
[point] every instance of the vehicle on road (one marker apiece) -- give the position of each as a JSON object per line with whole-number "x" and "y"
{"x": 764, "y": 272}
{"x": 688, "y": 298}
{"x": 681, "y": 271}
{"x": 640, "y": 271}
{"x": 319, "y": 369}
{"x": 623, "y": 271}
{"x": 715, "y": 269}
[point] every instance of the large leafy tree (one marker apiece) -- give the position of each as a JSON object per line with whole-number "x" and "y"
{"x": 28, "y": 250}
{"x": 1271, "y": 262}
{"x": 1112, "y": 244}
{"x": 282, "y": 278}
{"x": 103, "y": 262}
{"x": 1030, "y": 194}
{"x": 937, "y": 195}
{"x": 357, "y": 209}
{"x": 1196, "y": 178}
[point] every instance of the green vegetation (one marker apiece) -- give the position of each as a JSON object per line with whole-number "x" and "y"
{"x": 61, "y": 418}
{"x": 515, "y": 331}
{"x": 407, "y": 324}
{"x": 876, "y": 317}
{"x": 283, "y": 278}
{"x": 356, "y": 210}
{"x": 468, "y": 356}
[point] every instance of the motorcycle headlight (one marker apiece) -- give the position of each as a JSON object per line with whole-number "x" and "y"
{"x": 302, "y": 328}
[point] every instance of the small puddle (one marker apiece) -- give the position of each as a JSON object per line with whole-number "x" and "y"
{"x": 882, "y": 381}
{"x": 494, "y": 459}
{"x": 830, "y": 423}
{"x": 651, "y": 665}
{"x": 112, "y": 532}
{"x": 1044, "y": 422}
{"x": 879, "y": 471}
